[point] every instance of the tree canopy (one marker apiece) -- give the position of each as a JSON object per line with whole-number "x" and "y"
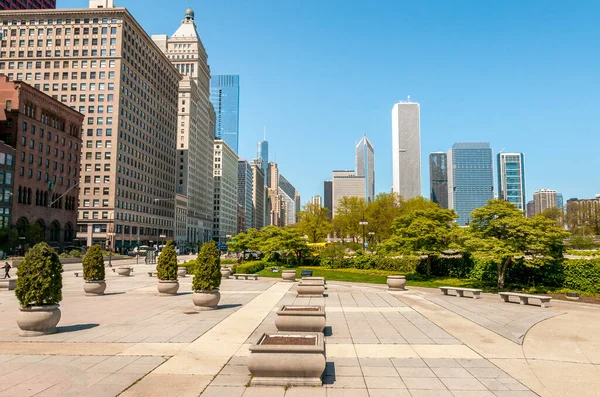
{"x": 313, "y": 222}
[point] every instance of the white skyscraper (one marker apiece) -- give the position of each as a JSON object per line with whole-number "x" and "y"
{"x": 406, "y": 149}
{"x": 347, "y": 184}
{"x": 365, "y": 165}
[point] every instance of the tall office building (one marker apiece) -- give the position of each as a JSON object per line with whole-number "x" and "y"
{"x": 195, "y": 134}
{"x": 559, "y": 201}
{"x": 544, "y": 199}
{"x": 438, "y": 178}
{"x": 26, "y": 4}
{"x": 101, "y": 62}
{"x": 406, "y": 149}
{"x": 365, "y": 165}
{"x": 530, "y": 209}
{"x": 225, "y": 97}
{"x": 226, "y": 189}
{"x": 347, "y": 184}
{"x": 470, "y": 178}
{"x": 287, "y": 191}
{"x": 511, "y": 179}
{"x": 274, "y": 203}
{"x": 244, "y": 193}
{"x": 317, "y": 201}
{"x": 328, "y": 197}
{"x": 259, "y": 199}
{"x": 262, "y": 152}
{"x": 298, "y": 205}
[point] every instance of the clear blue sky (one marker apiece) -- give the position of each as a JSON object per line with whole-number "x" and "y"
{"x": 523, "y": 75}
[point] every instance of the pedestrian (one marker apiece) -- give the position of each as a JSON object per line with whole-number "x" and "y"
{"x": 6, "y": 268}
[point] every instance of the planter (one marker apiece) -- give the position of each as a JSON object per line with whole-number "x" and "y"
{"x": 123, "y": 271}
{"x": 295, "y": 359}
{"x": 38, "y": 320}
{"x": 322, "y": 279}
{"x": 168, "y": 287}
{"x": 206, "y": 300}
{"x": 96, "y": 287}
{"x": 288, "y": 275}
{"x": 396, "y": 283}
{"x": 225, "y": 272}
{"x": 181, "y": 271}
{"x": 300, "y": 318}
{"x": 311, "y": 289}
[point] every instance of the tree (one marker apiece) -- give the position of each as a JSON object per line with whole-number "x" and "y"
{"x": 39, "y": 277}
{"x": 33, "y": 234}
{"x": 166, "y": 269}
{"x": 349, "y": 212}
{"x": 8, "y": 238}
{"x": 314, "y": 222}
{"x": 555, "y": 214}
{"x": 93, "y": 264}
{"x": 282, "y": 239}
{"x": 207, "y": 272}
{"x": 381, "y": 213}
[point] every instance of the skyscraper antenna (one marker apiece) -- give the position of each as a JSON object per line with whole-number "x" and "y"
{"x": 409, "y": 98}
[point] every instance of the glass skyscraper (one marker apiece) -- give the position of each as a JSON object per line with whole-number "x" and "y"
{"x": 438, "y": 178}
{"x": 365, "y": 165}
{"x": 511, "y": 179}
{"x": 225, "y": 97}
{"x": 470, "y": 178}
{"x": 262, "y": 152}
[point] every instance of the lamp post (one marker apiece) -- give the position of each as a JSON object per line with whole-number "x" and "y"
{"x": 163, "y": 236}
{"x": 363, "y": 223}
{"x": 371, "y": 234}
{"x": 110, "y": 238}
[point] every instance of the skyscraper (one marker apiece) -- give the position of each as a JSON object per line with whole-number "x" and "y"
{"x": 262, "y": 152}
{"x": 317, "y": 201}
{"x": 365, "y": 165}
{"x": 26, "y": 4}
{"x": 406, "y": 149}
{"x": 438, "y": 178}
{"x": 347, "y": 184}
{"x": 225, "y": 196}
{"x": 258, "y": 194}
{"x": 328, "y": 197}
{"x": 543, "y": 199}
{"x": 288, "y": 193}
{"x": 511, "y": 179}
{"x": 470, "y": 178}
{"x": 225, "y": 97}
{"x": 244, "y": 194}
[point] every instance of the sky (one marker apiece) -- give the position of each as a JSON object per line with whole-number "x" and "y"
{"x": 522, "y": 75}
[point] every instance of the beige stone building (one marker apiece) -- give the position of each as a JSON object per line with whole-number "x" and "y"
{"x": 347, "y": 184}
{"x": 225, "y": 196}
{"x": 100, "y": 62}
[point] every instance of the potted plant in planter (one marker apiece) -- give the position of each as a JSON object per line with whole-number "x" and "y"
{"x": 207, "y": 278}
{"x": 39, "y": 290}
{"x": 93, "y": 271}
{"x": 166, "y": 270}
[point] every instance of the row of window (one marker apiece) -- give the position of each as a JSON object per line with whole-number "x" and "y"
{"x": 6, "y": 159}
{"x": 58, "y": 53}
{"x": 63, "y": 141}
{"x": 59, "y": 31}
{"x": 57, "y": 64}
{"x": 54, "y": 179}
{"x": 57, "y": 42}
{"x": 41, "y": 149}
{"x": 6, "y": 177}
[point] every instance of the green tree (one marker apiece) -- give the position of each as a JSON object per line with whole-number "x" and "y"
{"x": 286, "y": 240}
{"x": 314, "y": 222}
{"x": 39, "y": 277}
{"x": 381, "y": 213}
{"x": 207, "y": 272}
{"x": 349, "y": 212}
{"x": 333, "y": 255}
{"x": 93, "y": 264}
{"x": 166, "y": 268}
{"x": 554, "y": 213}
{"x": 8, "y": 238}
{"x": 33, "y": 234}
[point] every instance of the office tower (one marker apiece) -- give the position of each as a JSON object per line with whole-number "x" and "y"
{"x": 317, "y": 201}
{"x": 543, "y": 199}
{"x": 101, "y": 62}
{"x": 328, "y": 197}
{"x": 226, "y": 191}
{"x": 258, "y": 194}
{"x": 559, "y": 201}
{"x": 511, "y": 179}
{"x": 470, "y": 178}
{"x": 438, "y": 178}
{"x": 262, "y": 152}
{"x": 583, "y": 216}
{"x": 46, "y": 137}
{"x": 365, "y": 165}
{"x": 347, "y": 184}
{"x": 298, "y": 205}
{"x": 195, "y": 134}
{"x": 225, "y": 97}
{"x": 181, "y": 219}
{"x": 530, "y": 209}
{"x": 406, "y": 149}
{"x": 274, "y": 199}
{"x": 7, "y": 176}
{"x": 26, "y": 4}
{"x": 288, "y": 192}
{"x": 245, "y": 189}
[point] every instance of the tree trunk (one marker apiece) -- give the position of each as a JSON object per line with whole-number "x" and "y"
{"x": 502, "y": 266}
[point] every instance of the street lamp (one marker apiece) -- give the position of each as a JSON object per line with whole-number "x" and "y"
{"x": 371, "y": 234}
{"x": 163, "y": 236}
{"x": 110, "y": 238}
{"x": 363, "y": 223}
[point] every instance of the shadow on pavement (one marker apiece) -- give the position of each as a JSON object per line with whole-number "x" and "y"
{"x": 75, "y": 328}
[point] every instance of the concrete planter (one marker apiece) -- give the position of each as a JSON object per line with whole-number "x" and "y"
{"x": 123, "y": 271}
{"x": 287, "y": 364}
{"x": 38, "y": 320}
{"x": 311, "y": 289}
{"x": 181, "y": 271}
{"x": 300, "y": 318}
{"x": 206, "y": 300}
{"x": 396, "y": 283}
{"x": 322, "y": 279}
{"x": 225, "y": 272}
{"x": 8, "y": 284}
{"x": 288, "y": 275}
{"x": 94, "y": 287}
{"x": 168, "y": 287}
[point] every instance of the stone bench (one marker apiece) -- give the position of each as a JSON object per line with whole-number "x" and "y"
{"x": 524, "y": 298}
{"x": 76, "y": 274}
{"x": 150, "y": 274}
{"x": 306, "y": 273}
{"x": 460, "y": 291}
{"x": 8, "y": 284}
{"x": 245, "y": 276}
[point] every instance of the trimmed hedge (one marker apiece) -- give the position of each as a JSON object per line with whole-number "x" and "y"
{"x": 250, "y": 267}
{"x": 582, "y": 275}
{"x": 39, "y": 277}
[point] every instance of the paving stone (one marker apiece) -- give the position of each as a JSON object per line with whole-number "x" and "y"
{"x": 423, "y": 383}
{"x": 388, "y": 393}
{"x": 379, "y": 371}
{"x": 441, "y": 363}
{"x": 347, "y": 392}
{"x": 384, "y": 382}
{"x": 417, "y": 372}
{"x": 264, "y": 391}
{"x": 487, "y": 372}
{"x": 515, "y": 393}
{"x": 352, "y": 382}
{"x": 223, "y": 391}
{"x": 231, "y": 380}
{"x": 493, "y": 384}
{"x": 444, "y": 372}
{"x": 472, "y": 393}
{"x": 347, "y": 371}
{"x": 463, "y": 384}
{"x": 408, "y": 362}
{"x": 307, "y": 392}
{"x": 375, "y": 362}
{"x": 429, "y": 393}
{"x": 475, "y": 363}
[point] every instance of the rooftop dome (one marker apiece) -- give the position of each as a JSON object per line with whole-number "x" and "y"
{"x": 189, "y": 13}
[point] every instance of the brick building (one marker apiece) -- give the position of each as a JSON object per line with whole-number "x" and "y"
{"x": 46, "y": 136}
{"x": 26, "y": 4}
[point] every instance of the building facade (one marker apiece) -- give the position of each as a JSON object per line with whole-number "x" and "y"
{"x": 511, "y": 179}
{"x": 583, "y": 216}
{"x": 244, "y": 194}
{"x": 46, "y": 136}
{"x": 225, "y": 97}
{"x": 101, "y": 62}
{"x": 470, "y": 178}
{"x": 181, "y": 219}
{"x": 258, "y": 194}
{"x": 287, "y": 191}
{"x": 365, "y": 165}
{"x": 406, "y": 149}
{"x": 530, "y": 209}
{"x": 328, "y": 197}
{"x": 262, "y": 153}
{"x": 438, "y": 178}
{"x": 317, "y": 201}
{"x": 226, "y": 190}
{"x": 26, "y": 4}
{"x": 544, "y": 199}
{"x": 7, "y": 177}
{"x": 346, "y": 184}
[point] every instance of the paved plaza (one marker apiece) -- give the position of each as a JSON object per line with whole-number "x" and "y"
{"x": 132, "y": 342}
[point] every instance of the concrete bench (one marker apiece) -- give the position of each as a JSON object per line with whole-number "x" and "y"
{"x": 460, "y": 291}
{"x": 8, "y": 283}
{"x": 306, "y": 273}
{"x": 245, "y": 276}
{"x": 524, "y": 298}
{"x": 76, "y": 274}
{"x": 150, "y": 274}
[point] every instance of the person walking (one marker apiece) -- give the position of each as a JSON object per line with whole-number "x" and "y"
{"x": 6, "y": 268}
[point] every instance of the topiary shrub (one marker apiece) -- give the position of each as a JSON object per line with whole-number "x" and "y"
{"x": 166, "y": 269}
{"x": 39, "y": 279}
{"x": 250, "y": 267}
{"x": 75, "y": 253}
{"x": 207, "y": 274}
{"x": 93, "y": 264}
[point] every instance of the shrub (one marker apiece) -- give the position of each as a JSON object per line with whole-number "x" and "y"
{"x": 75, "y": 253}
{"x": 250, "y": 267}
{"x": 39, "y": 279}
{"x": 582, "y": 275}
{"x": 229, "y": 261}
{"x": 400, "y": 264}
{"x": 208, "y": 269}
{"x": 581, "y": 242}
{"x": 93, "y": 264}
{"x": 166, "y": 268}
